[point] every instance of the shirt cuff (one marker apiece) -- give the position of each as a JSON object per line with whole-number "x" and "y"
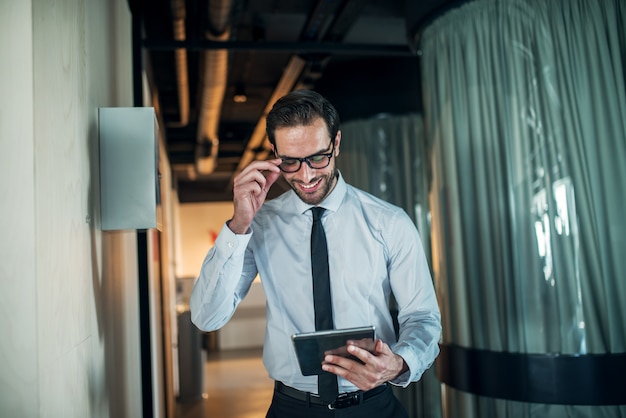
{"x": 227, "y": 242}
{"x": 409, "y": 376}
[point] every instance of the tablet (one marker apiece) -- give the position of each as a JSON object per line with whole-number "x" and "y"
{"x": 312, "y": 346}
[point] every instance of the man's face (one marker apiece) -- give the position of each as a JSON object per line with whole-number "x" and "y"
{"x": 311, "y": 185}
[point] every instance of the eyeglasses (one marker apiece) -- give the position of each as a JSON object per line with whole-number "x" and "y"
{"x": 316, "y": 161}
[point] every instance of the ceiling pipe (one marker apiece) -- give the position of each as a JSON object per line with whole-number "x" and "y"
{"x": 258, "y": 139}
{"x": 214, "y": 80}
{"x": 180, "y": 54}
{"x": 305, "y": 47}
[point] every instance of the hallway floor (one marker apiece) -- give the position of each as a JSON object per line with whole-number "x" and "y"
{"x": 236, "y": 385}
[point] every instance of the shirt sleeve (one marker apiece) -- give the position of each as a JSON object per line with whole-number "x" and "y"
{"x": 225, "y": 278}
{"x": 419, "y": 318}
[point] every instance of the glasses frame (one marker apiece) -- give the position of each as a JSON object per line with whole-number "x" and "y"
{"x": 328, "y": 155}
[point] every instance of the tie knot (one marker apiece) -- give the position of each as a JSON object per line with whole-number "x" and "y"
{"x": 317, "y": 213}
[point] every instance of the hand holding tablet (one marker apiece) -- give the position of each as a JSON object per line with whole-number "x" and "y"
{"x": 313, "y": 346}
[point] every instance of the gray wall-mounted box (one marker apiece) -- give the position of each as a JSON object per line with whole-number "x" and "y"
{"x": 129, "y": 173}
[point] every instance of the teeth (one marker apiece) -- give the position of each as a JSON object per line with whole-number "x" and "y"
{"x": 311, "y": 186}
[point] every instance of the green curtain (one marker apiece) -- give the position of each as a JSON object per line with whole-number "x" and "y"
{"x": 525, "y": 114}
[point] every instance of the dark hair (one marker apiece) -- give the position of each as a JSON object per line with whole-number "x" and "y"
{"x": 301, "y": 107}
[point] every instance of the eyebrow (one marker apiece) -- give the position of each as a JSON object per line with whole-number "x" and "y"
{"x": 326, "y": 151}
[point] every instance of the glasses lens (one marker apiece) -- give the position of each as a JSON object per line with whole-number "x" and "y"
{"x": 289, "y": 165}
{"x": 319, "y": 161}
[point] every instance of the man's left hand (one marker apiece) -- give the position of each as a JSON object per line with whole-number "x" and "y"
{"x": 378, "y": 367}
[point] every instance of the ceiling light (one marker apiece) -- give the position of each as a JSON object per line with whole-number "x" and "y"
{"x": 240, "y": 95}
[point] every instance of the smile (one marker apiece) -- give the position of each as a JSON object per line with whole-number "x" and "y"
{"x": 311, "y": 186}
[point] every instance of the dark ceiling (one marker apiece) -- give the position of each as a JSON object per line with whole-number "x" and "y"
{"x": 217, "y": 66}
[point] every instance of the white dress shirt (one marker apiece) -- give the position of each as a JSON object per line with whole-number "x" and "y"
{"x": 374, "y": 250}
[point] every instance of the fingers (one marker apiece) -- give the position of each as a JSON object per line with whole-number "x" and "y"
{"x": 376, "y": 368}
{"x": 271, "y": 179}
{"x": 365, "y": 374}
{"x": 250, "y": 189}
{"x": 382, "y": 348}
{"x": 263, "y": 165}
{"x": 362, "y": 354}
{"x": 368, "y": 344}
{"x": 253, "y": 173}
{"x": 252, "y": 182}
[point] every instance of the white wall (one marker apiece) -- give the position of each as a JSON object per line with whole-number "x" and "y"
{"x": 18, "y": 296}
{"x": 198, "y": 225}
{"x": 69, "y": 329}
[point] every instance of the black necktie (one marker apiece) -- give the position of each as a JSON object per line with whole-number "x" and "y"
{"x": 327, "y": 382}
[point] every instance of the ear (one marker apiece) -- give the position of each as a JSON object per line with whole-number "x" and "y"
{"x": 337, "y": 143}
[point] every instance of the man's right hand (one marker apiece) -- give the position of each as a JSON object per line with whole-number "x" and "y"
{"x": 249, "y": 192}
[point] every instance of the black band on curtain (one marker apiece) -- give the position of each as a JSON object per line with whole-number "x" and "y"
{"x": 592, "y": 379}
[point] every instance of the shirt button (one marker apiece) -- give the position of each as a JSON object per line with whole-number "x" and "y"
{"x": 231, "y": 245}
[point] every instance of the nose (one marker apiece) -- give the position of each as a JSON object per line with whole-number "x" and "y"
{"x": 305, "y": 174}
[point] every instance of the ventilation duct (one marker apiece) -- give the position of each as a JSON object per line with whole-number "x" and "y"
{"x": 214, "y": 80}
{"x": 180, "y": 54}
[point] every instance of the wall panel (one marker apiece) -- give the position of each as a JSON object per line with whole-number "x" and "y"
{"x": 18, "y": 379}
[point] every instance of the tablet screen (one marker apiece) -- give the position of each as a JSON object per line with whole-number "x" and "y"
{"x": 311, "y": 347}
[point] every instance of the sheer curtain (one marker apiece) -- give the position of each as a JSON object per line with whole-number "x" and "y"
{"x": 525, "y": 113}
{"x": 386, "y": 156}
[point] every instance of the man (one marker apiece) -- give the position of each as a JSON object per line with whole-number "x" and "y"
{"x": 374, "y": 252}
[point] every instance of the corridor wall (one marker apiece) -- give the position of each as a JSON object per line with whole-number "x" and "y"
{"x": 69, "y": 322}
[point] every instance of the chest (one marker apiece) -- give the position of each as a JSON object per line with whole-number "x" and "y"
{"x": 357, "y": 251}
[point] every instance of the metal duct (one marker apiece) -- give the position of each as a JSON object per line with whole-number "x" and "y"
{"x": 259, "y": 137}
{"x": 182, "y": 80}
{"x": 214, "y": 80}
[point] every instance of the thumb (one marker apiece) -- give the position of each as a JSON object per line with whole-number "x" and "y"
{"x": 271, "y": 179}
{"x": 381, "y": 347}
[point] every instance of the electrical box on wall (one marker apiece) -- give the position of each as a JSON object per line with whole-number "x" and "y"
{"x": 129, "y": 168}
